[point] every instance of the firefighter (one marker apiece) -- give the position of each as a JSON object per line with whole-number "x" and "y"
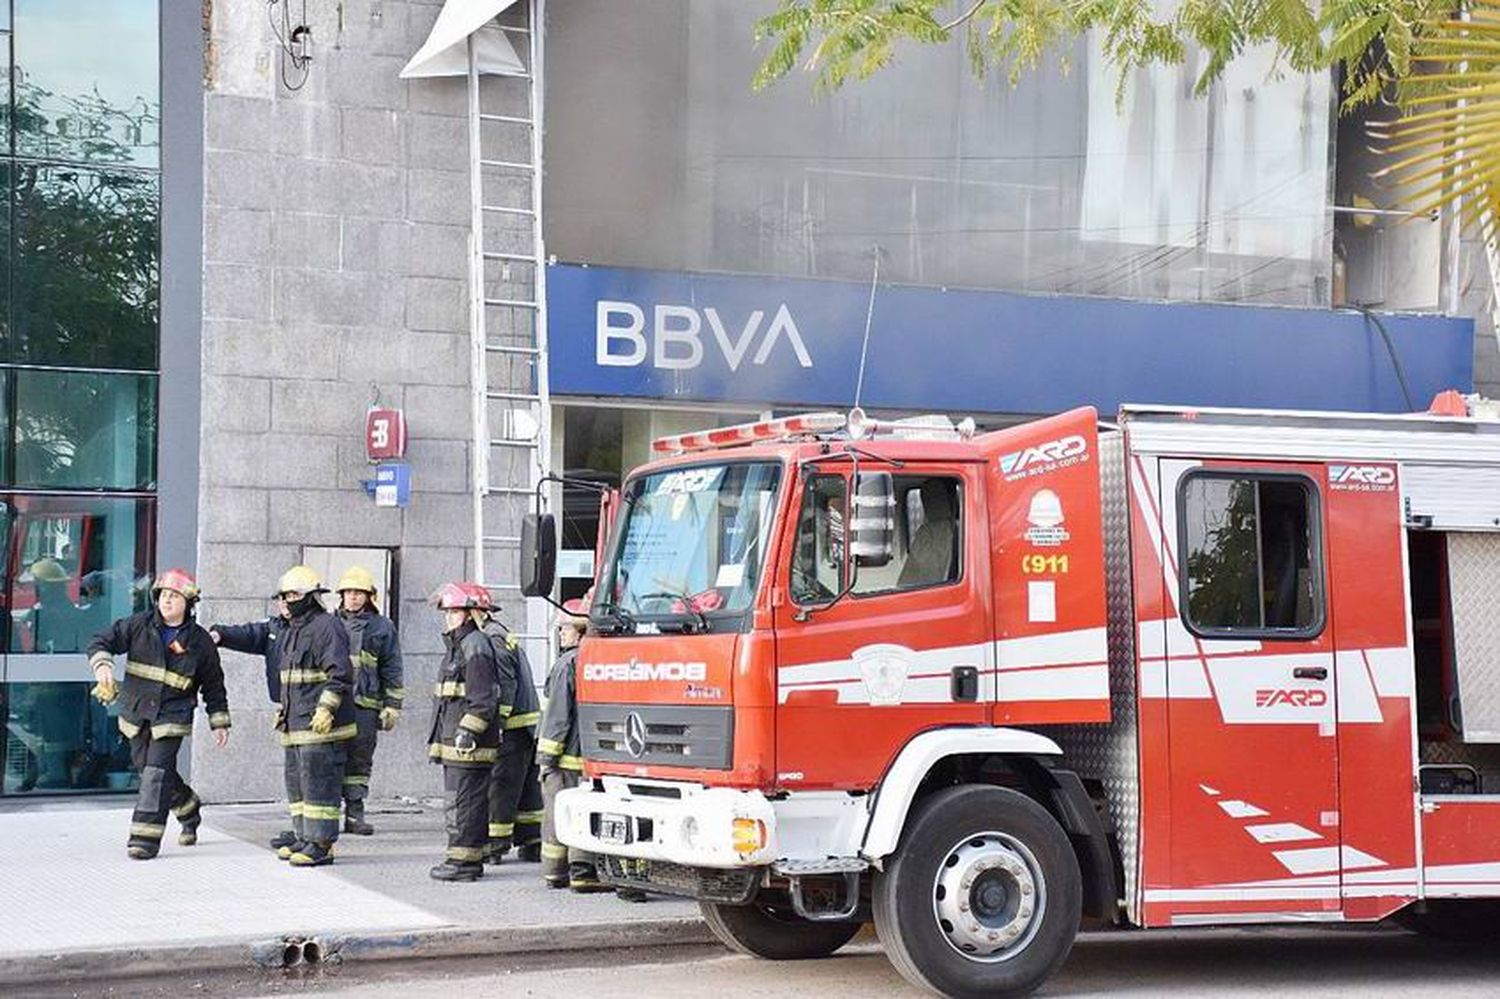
{"x": 375, "y": 655}
{"x": 558, "y": 754}
{"x": 465, "y": 734}
{"x": 169, "y": 662}
{"x": 261, "y": 638}
{"x": 316, "y": 717}
{"x": 515, "y": 791}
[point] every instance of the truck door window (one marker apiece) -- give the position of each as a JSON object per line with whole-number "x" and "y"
{"x": 1250, "y": 556}
{"x": 928, "y": 529}
{"x": 818, "y": 555}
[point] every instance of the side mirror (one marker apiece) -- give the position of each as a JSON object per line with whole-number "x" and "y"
{"x": 872, "y": 529}
{"x": 538, "y": 554}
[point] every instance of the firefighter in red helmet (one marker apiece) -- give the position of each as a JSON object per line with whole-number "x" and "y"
{"x": 170, "y": 662}
{"x": 466, "y": 728}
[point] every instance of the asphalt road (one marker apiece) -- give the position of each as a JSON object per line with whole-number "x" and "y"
{"x": 1354, "y": 962}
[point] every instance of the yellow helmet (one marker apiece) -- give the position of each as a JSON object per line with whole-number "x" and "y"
{"x": 357, "y": 577}
{"x": 300, "y": 579}
{"x": 48, "y": 570}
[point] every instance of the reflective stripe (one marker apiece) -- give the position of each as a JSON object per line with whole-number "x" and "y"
{"x": 505, "y": 710}
{"x": 187, "y": 808}
{"x": 529, "y": 818}
{"x": 219, "y": 719}
{"x": 366, "y": 658}
{"x": 303, "y": 676}
{"x": 395, "y": 693}
{"x": 307, "y": 737}
{"x": 147, "y": 830}
{"x": 499, "y": 830}
{"x": 527, "y": 720}
{"x": 128, "y": 729}
{"x": 466, "y": 854}
{"x": 295, "y": 807}
{"x": 482, "y": 754}
{"x": 158, "y": 674}
{"x": 330, "y": 700}
{"x": 101, "y": 657}
{"x": 554, "y": 851}
{"x": 449, "y": 688}
{"x": 371, "y": 703}
{"x": 571, "y": 763}
{"x": 171, "y": 730}
{"x": 549, "y": 747}
{"x": 358, "y": 781}
{"x": 311, "y": 811}
{"x": 473, "y": 723}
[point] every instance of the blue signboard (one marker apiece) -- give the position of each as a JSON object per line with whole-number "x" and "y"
{"x": 796, "y": 343}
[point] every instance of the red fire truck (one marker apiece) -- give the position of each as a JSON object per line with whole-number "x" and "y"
{"x": 1201, "y": 667}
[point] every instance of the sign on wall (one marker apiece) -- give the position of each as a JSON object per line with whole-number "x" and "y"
{"x": 795, "y": 342}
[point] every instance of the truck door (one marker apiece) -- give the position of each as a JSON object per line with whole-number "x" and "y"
{"x": 906, "y": 649}
{"x": 1250, "y": 685}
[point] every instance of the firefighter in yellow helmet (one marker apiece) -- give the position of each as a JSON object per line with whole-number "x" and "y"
{"x": 375, "y": 655}
{"x": 170, "y": 662}
{"x": 316, "y": 718}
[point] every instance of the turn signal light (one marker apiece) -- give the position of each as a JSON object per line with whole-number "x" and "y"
{"x": 749, "y": 835}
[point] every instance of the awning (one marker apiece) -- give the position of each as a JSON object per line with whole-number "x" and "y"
{"x": 445, "y": 53}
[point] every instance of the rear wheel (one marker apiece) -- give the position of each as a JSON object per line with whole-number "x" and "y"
{"x": 982, "y": 897}
{"x": 775, "y": 934}
{"x": 1455, "y": 919}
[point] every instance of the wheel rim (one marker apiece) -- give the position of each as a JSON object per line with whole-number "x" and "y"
{"x": 988, "y": 897}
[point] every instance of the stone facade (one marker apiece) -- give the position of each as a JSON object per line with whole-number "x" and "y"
{"x": 335, "y": 235}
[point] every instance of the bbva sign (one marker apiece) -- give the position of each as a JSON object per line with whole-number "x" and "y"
{"x": 675, "y": 340}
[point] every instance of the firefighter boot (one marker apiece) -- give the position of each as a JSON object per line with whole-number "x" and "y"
{"x": 188, "y": 835}
{"x": 530, "y": 853}
{"x": 283, "y": 839}
{"x": 354, "y": 818}
{"x": 456, "y": 870}
{"x": 312, "y": 855}
{"x": 295, "y": 846}
{"x": 583, "y": 879}
{"x": 496, "y": 849}
{"x": 137, "y": 852}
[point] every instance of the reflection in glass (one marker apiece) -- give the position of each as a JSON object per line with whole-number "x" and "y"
{"x": 85, "y": 430}
{"x": 58, "y": 738}
{"x": 78, "y": 563}
{"x": 86, "y": 80}
{"x": 86, "y": 280}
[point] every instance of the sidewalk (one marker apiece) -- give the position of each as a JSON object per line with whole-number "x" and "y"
{"x": 72, "y": 903}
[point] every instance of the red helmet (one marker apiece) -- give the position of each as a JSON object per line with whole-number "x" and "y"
{"x": 179, "y": 580}
{"x": 461, "y": 596}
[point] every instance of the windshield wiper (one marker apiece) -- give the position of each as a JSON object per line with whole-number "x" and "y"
{"x": 689, "y": 607}
{"x": 621, "y": 621}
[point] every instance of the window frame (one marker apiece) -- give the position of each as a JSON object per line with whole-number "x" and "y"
{"x": 806, "y": 480}
{"x": 1317, "y": 561}
{"x": 960, "y": 541}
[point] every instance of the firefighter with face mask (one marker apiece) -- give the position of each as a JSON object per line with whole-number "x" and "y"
{"x": 170, "y": 661}
{"x": 375, "y": 655}
{"x": 316, "y": 719}
{"x": 466, "y": 727}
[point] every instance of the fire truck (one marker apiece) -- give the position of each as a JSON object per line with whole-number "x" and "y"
{"x": 1197, "y": 667}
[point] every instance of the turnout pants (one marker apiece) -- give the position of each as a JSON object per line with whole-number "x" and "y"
{"x": 314, "y": 775}
{"x": 515, "y": 792}
{"x": 465, "y": 807}
{"x": 361, "y": 759}
{"x": 557, "y": 859}
{"x": 162, "y": 788}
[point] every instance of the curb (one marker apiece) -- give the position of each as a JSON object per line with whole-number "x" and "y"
{"x": 336, "y": 948}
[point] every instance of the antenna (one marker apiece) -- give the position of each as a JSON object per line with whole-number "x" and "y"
{"x": 864, "y": 347}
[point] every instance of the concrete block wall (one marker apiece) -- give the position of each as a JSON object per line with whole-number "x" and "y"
{"x": 335, "y": 259}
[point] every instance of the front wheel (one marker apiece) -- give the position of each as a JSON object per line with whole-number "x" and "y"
{"x": 982, "y": 897}
{"x": 1457, "y": 920}
{"x": 768, "y": 932}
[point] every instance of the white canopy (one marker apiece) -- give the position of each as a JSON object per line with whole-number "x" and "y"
{"x": 445, "y": 53}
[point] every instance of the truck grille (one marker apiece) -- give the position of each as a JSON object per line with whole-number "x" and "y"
{"x": 665, "y": 735}
{"x": 731, "y": 887}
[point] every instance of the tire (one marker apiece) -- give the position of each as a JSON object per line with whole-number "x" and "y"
{"x": 776, "y": 935}
{"x": 1467, "y": 921}
{"x": 1015, "y": 938}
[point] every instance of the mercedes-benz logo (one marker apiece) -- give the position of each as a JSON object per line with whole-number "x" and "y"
{"x": 635, "y": 734}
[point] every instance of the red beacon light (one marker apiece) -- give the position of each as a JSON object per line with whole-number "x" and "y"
{"x": 749, "y": 433}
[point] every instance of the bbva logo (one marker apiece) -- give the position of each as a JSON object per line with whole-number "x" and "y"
{"x": 1044, "y": 453}
{"x": 676, "y": 336}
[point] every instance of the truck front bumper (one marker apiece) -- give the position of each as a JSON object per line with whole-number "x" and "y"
{"x": 671, "y": 822}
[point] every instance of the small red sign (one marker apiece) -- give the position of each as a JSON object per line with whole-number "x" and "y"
{"x": 385, "y": 434}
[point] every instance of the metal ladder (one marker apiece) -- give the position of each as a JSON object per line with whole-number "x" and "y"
{"x": 511, "y": 410}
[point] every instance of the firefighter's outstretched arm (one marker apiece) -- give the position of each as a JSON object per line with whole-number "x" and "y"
{"x": 253, "y": 638}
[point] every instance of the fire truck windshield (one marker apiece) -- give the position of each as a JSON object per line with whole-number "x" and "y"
{"x": 691, "y": 545}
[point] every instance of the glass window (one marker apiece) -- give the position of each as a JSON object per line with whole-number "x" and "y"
{"x": 818, "y": 558}
{"x": 926, "y": 542}
{"x": 58, "y": 738}
{"x": 1250, "y": 556}
{"x": 77, "y": 563}
{"x": 85, "y": 274}
{"x": 85, "y": 430}
{"x": 86, "y": 80}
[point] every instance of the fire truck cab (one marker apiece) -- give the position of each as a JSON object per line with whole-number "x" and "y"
{"x": 1200, "y": 667}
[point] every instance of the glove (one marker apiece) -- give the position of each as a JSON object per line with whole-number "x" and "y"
{"x": 322, "y": 721}
{"x": 106, "y": 690}
{"x": 464, "y": 742}
{"x": 388, "y": 716}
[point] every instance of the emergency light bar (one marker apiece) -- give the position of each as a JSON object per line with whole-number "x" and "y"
{"x": 746, "y": 433}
